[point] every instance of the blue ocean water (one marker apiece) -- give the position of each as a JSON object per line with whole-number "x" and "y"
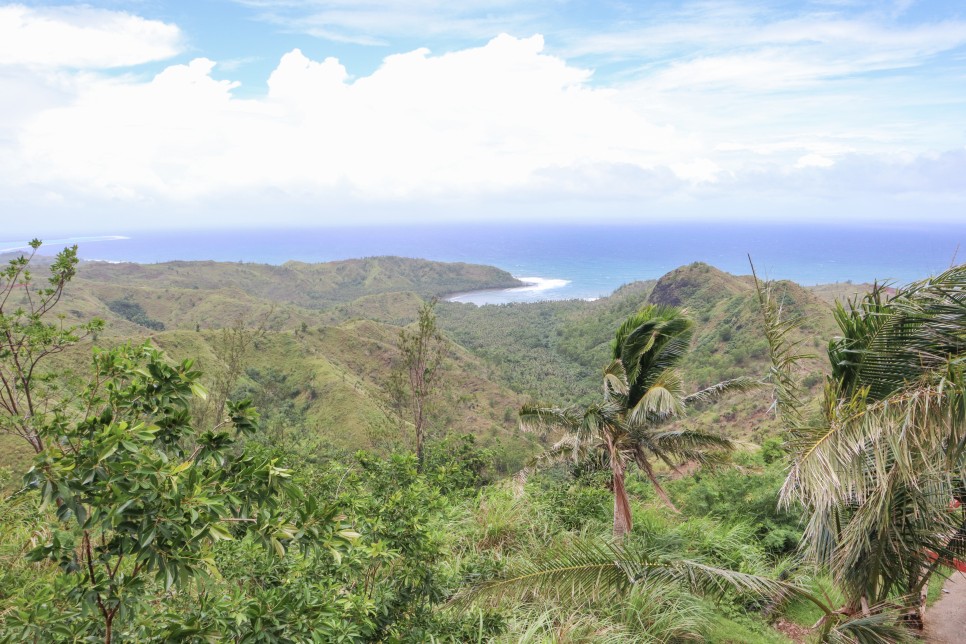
{"x": 570, "y": 261}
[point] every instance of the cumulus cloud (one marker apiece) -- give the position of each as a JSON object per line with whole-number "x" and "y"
{"x": 81, "y": 37}
{"x": 477, "y": 120}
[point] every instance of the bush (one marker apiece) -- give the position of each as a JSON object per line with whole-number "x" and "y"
{"x": 456, "y": 464}
{"x": 750, "y": 491}
{"x": 133, "y": 312}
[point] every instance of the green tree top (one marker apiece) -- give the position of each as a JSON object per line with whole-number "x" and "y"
{"x": 28, "y": 337}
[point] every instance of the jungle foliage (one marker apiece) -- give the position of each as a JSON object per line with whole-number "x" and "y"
{"x": 248, "y": 479}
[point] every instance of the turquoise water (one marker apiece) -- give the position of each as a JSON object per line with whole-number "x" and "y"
{"x": 569, "y": 261}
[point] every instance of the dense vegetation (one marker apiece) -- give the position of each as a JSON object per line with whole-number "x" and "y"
{"x": 132, "y": 312}
{"x": 248, "y": 473}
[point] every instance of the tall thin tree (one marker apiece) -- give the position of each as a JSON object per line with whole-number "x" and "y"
{"x": 421, "y": 351}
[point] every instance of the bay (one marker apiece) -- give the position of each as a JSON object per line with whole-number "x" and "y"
{"x": 567, "y": 261}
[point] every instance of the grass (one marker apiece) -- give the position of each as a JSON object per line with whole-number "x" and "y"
{"x": 730, "y": 631}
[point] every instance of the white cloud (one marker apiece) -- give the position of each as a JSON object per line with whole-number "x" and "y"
{"x": 479, "y": 120}
{"x": 779, "y": 118}
{"x": 830, "y": 42}
{"x": 81, "y": 37}
{"x": 814, "y": 161}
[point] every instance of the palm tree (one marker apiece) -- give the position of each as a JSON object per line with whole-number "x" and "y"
{"x": 880, "y": 467}
{"x": 597, "y": 428}
{"x": 643, "y": 390}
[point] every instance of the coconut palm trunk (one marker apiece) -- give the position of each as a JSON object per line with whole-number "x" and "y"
{"x": 623, "y": 521}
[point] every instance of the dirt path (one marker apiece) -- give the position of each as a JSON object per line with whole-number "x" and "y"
{"x": 946, "y": 619}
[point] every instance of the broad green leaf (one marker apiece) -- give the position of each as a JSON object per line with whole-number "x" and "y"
{"x": 219, "y": 532}
{"x": 106, "y": 452}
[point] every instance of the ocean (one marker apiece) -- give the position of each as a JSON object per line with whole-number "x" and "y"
{"x": 568, "y": 261}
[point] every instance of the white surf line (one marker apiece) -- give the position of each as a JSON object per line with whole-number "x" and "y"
{"x": 534, "y": 284}
{"x": 531, "y": 285}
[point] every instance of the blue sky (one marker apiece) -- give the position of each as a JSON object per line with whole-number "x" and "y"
{"x": 118, "y": 115}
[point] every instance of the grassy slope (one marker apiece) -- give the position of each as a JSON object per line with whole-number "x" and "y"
{"x": 333, "y": 330}
{"x": 554, "y": 351}
{"x": 307, "y": 285}
{"x": 839, "y": 291}
{"x": 332, "y": 352}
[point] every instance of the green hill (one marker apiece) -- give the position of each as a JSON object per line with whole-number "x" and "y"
{"x": 302, "y": 284}
{"x": 555, "y": 350}
{"x": 314, "y": 347}
{"x": 327, "y": 337}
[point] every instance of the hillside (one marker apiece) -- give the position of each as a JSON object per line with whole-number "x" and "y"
{"x": 326, "y": 338}
{"x": 554, "y": 351}
{"x": 302, "y": 284}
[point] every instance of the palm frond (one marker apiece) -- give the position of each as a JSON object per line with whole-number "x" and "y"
{"x": 592, "y": 569}
{"x": 783, "y": 350}
{"x": 569, "y": 448}
{"x": 542, "y": 418}
{"x": 661, "y": 400}
{"x": 650, "y": 314}
{"x": 606, "y": 415}
{"x": 714, "y": 392}
{"x": 587, "y": 569}
{"x": 889, "y": 340}
{"x": 666, "y": 356}
{"x": 685, "y": 444}
{"x": 664, "y": 613}
{"x": 649, "y": 343}
{"x": 878, "y": 469}
{"x": 615, "y": 379}
{"x": 882, "y": 625}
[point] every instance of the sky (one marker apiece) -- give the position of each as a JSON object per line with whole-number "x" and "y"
{"x": 119, "y": 115}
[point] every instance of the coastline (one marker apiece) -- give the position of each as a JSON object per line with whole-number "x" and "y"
{"x": 451, "y": 297}
{"x": 529, "y": 285}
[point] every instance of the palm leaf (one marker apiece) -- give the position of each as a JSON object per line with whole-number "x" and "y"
{"x": 783, "y": 351}
{"x": 878, "y": 469}
{"x": 686, "y": 444}
{"x": 540, "y": 418}
{"x": 661, "y": 400}
{"x": 615, "y": 380}
{"x": 883, "y": 625}
{"x": 569, "y": 448}
{"x": 714, "y": 392}
{"x": 593, "y": 569}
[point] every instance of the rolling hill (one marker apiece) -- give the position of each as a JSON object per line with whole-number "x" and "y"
{"x": 322, "y": 339}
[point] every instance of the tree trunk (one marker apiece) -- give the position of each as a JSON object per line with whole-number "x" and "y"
{"x": 622, "y": 508}
{"x": 35, "y": 442}
{"x": 418, "y": 417}
{"x": 920, "y": 586}
{"x": 623, "y": 522}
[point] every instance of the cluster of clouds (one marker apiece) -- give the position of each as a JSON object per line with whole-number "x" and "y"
{"x": 756, "y": 117}
{"x": 82, "y": 37}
